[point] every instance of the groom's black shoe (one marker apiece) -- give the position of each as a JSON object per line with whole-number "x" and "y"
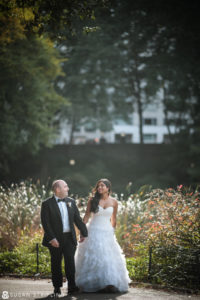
{"x": 57, "y": 292}
{"x": 73, "y": 290}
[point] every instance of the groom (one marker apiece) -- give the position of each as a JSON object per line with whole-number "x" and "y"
{"x": 58, "y": 215}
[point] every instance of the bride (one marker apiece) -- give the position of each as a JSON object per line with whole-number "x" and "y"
{"x": 100, "y": 264}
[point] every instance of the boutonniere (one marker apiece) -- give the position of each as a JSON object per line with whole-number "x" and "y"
{"x": 69, "y": 204}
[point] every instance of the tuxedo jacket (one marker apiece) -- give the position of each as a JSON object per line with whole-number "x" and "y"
{"x": 52, "y": 220}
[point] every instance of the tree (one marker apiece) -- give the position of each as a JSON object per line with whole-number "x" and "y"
{"x": 30, "y": 64}
{"x": 47, "y": 17}
{"x": 135, "y": 58}
{"x": 28, "y": 100}
{"x": 87, "y": 85}
{"x": 177, "y": 47}
{"x": 114, "y": 58}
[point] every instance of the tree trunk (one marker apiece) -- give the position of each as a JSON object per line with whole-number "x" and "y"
{"x": 73, "y": 123}
{"x": 140, "y": 114}
{"x": 139, "y": 107}
{"x": 167, "y": 122}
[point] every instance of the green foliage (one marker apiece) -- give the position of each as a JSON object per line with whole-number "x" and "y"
{"x": 9, "y": 262}
{"x": 168, "y": 221}
{"x": 19, "y": 18}
{"x": 176, "y": 266}
{"x": 28, "y": 100}
{"x": 87, "y": 85}
{"x": 26, "y": 250}
{"x": 138, "y": 265}
{"x": 23, "y": 259}
{"x": 120, "y": 163}
{"x": 153, "y": 65}
{"x": 30, "y": 65}
{"x": 12, "y": 25}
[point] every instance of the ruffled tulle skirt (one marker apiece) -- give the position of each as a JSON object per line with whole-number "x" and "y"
{"x": 100, "y": 262}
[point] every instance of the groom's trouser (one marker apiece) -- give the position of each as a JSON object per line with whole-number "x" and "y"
{"x": 67, "y": 249}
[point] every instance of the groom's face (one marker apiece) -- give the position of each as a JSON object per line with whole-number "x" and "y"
{"x": 62, "y": 190}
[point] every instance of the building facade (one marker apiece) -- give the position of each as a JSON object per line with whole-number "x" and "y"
{"x": 154, "y": 129}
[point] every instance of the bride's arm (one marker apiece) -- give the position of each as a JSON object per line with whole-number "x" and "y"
{"x": 114, "y": 215}
{"x": 88, "y": 212}
{"x": 86, "y": 218}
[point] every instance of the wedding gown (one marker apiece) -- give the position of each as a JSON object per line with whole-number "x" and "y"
{"x": 99, "y": 259}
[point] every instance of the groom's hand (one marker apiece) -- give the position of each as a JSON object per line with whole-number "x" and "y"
{"x": 54, "y": 243}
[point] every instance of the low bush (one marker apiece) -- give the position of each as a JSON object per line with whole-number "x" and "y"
{"x": 22, "y": 259}
{"x": 176, "y": 266}
{"x": 138, "y": 265}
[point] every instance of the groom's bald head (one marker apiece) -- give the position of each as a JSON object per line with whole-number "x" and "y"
{"x": 56, "y": 184}
{"x": 60, "y": 188}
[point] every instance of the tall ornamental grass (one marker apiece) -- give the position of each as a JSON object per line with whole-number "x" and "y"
{"x": 20, "y": 211}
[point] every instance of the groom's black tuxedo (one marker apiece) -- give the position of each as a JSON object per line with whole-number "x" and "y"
{"x": 52, "y": 221}
{"x": 53, "y": 228}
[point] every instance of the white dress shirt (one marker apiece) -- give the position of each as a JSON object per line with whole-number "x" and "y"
{"x": 64, "y": 214}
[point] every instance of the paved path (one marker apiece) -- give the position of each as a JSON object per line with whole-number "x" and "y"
{"x": 29, "y": 289}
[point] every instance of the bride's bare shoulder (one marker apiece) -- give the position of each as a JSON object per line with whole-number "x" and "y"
{"x": 114, "y": 201}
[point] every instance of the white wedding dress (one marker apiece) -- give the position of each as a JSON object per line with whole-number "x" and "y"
{"x": 99, "y": 259}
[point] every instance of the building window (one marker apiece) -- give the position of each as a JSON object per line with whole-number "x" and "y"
{"x": 151, "y": 107}
{"x": 123, "y": 138}
{"x": 127, "y": 121}
{"x": 90, "y": 127}
{"x": 150, "y": 138}
{"x": 77, "y": 128}
{"x": 150, "y": 122}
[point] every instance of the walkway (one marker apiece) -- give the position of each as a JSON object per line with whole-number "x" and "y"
{"x": 28, "y": 289}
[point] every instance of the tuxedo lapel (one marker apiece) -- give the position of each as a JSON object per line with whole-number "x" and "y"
{"x": 68, "y": 209}
{"x": 56, "y": 208}
{"x": 67, "y": 201}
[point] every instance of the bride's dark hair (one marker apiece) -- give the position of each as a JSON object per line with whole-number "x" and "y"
{"x": 96, "y": 196}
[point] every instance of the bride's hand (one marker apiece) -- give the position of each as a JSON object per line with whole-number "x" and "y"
{"x": 81, "y": 239}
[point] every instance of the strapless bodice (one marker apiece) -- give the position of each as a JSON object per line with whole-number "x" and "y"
{"x": 101, "y": 219}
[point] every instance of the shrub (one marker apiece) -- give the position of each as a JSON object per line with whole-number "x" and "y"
{"x": 168, "y": 221}
{"x": 9, "y": 262}
{"x": 176, "y": 266}
{"x": 138, "y": 265}
{"x": 23, "y": 259}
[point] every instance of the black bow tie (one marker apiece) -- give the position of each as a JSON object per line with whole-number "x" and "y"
{"x": 61, "y": 200}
